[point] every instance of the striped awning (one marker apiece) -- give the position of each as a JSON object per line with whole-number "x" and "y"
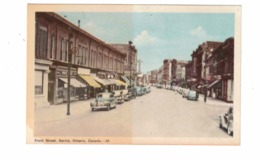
{"x": 104, "y": 82}
{"x": 73, "y": 82}
{"x": 126, "y": 80}
{"x": 214, "y": 83}
{"x": 118, "y": 82}
{"x": 90, "y": 81}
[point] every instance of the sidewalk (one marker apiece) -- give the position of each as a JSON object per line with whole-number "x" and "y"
{"x": 59, "y": 112}
{"x": 214, "y": 101}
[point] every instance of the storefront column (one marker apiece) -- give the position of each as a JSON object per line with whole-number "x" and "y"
{"x": 42, "y": 66}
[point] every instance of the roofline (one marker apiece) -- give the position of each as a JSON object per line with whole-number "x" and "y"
{"x": 73, "y": 26}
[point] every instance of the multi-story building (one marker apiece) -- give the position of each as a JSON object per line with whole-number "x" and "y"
{"x": 55, "y": 39}
{"x": 188, "y": 74}
{"x": 180, "y": 71}
{"x": 220, "y": 71}
{"x": 160, "y": 75}
{"x": 199, "y": 57}
{"x": 154, "y": 74}
{"x": 130, "y": 62}
{"x": 173, "y": 71}
{"x": 167, "y": 74}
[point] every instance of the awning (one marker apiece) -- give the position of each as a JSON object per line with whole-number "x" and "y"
{"x": 73, "y": 82}
{"x": 132, "y": 82}
{"x": 104, "y": 82}
{"x": 126, "y": 80}
{"x": 119, "y": 83}
{"x": 214, "y": 83}
{"x": 90, "y": 81}
{"x": 203, "y": 86}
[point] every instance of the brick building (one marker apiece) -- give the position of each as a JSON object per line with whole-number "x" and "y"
{"x": 220, "y": 71}
{"x": 199, "y": 57}
{"x": 130, "y": 62}
{"x": 166, "y": 72}
{"x": 53, "y": 38}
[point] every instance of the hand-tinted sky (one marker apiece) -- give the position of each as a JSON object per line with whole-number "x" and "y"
{"x": 157, "y": 36}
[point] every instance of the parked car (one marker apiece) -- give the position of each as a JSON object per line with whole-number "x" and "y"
{"x": 105, "y": 100}
{"x": 139, "y": 91}
{"x": 118, "y": 94}
{"x": 148, "y": 89}
{"x": 159, "y": 86}
{"x": 185, "y": 93}
{"x": 131, "y": 94}
{"x": 226, "y": 121}
{"x": 192, "y": 95}
{"x": 125, "y": 94}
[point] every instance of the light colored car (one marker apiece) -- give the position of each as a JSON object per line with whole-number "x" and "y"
{"x": 226, "y": 121}
{"x": 148, "y": 89}
{"x": 192, "y": 95}
{"x": 185, "y": 93}
{"x": 105, "y": 100}
{"x": 118, "y": 94}
{"x": 139, "y": 91}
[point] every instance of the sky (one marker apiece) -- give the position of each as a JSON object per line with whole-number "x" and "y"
{"x": 157, "y": 36}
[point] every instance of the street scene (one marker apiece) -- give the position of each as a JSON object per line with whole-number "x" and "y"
{"x": 168, "y": 75}
{"x": 145, "y": 116}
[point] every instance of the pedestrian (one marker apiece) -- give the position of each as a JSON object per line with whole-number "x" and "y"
{"x": 205, "y": 96}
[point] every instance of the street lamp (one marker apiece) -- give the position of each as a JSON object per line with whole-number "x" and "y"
{"x": 72, "y": 50}
{"x": 69, "y": 66}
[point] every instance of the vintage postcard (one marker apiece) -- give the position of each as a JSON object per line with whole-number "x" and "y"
{"x": 133, "y": 74}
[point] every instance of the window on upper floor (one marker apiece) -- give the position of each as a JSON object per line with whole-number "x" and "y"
{"x": 52, "y": 48}
{"x": 61, "y": 48}
{"x": 42, "y": 42}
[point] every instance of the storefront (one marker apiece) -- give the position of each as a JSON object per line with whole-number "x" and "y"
{"x": 107, "y": 85}
{"x": 93, "y": 86}
{"x": 119, "y": 84}
{"x": 214, "y": 89}
{"x": 228, "y": 88}
{"x": 75, "y": 85}
{"x": 41, "y": 83}
{"x": 58, "y": 84}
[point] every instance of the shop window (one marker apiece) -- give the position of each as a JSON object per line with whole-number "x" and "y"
{"x": 39, "y": 75}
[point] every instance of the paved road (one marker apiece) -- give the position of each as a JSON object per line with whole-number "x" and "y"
{"x": 161, "y": 113}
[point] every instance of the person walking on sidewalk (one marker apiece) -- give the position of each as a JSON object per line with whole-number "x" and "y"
{"x": 205, "y": 96}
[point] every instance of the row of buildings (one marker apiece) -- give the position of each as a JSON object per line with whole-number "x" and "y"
{"x": 95, "y": 66}
{"x": 211, "y": 70}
